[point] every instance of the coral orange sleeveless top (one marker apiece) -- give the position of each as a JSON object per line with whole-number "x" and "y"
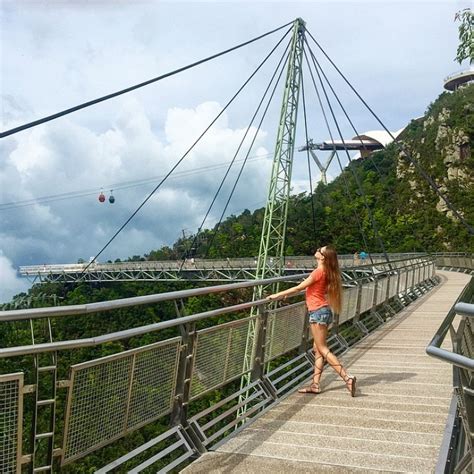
{"x": 316, "y": 293}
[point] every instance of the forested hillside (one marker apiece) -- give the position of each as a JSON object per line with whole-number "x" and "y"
{"x": 405, "y": 210}
{"x": 407, "y": 213}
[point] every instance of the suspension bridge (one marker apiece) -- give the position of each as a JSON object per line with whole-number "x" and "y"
{"x": 214, "y": 390}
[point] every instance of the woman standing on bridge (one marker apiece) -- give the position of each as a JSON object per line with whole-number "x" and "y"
{"x": 323, "y": 297}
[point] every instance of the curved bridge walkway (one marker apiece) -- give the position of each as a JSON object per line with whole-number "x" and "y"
{"x": 395, "y": 423}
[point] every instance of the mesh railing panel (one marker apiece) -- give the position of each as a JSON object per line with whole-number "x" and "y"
{"x": 403, "y": 282}
{"x": 219, "y": 356}
{"x": 349, "y": 304}
{"x": 284, "y": 330}
{"x": 367, "y": 297}
{"x": 393, "y": 282}
{"x": 410, "y": 283}
{"x": 154, "y": 379}
{"x": 416, "y": 278}
{"x": 10, "y": 422}
{"x": 381, "y": 290}
{"x": 98, "y": 406}
{"x": 107, "y": 391}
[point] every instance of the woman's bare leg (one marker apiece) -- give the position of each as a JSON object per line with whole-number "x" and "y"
{"x": 320, "y": 334}
{"x": 318, "y": 370}
{"x": 319, "y": 360}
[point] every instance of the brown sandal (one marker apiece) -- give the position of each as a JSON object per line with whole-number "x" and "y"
{"x": 314, "y": 387}
{"x": 352, "y": 387}
{"x": 347, "y": 378}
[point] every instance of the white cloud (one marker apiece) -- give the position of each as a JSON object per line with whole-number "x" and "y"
{"x": 62, "y": 53}
{"x": 10, "y": 283}
{"x": 71, "y": 157}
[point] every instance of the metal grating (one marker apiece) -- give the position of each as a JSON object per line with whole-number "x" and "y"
{"x": 416, "y": 278}
{"x": 113, "y": 395}
{"x": 403, "y": 282}
{"x": 154, "y": 379}
{"x": 284, "y": 330}
{"x": 367, "y": 297}
{"x": 382, "y": 290}
{"x": 393, "y": 282}
{"x": 349, "y": 304}
{"x": 11, "y": 408}
{"x": 219, "y": 355}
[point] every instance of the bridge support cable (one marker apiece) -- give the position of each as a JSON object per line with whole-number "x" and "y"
{"x": 188, "y": 150}
{"x": 336, "y": 154}
{"x": 272, "y": 243}
{"x": 137, "y": 86}
{"x": 356, "y": 177}
{"x": 280, "y": 66}
{"x": 313, "y": 215}
{"x": 402, "y": 148}
{"x": 245, "y": 160}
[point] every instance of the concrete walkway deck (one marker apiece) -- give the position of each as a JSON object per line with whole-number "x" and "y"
{"x": 394, "y": 424}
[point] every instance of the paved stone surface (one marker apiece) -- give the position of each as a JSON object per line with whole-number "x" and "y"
{"x": 394, "y": 424}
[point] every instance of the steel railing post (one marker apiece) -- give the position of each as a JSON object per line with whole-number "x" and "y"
{"x": 258, "y": 363}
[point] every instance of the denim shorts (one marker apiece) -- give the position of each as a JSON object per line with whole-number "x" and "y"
{"x": 321, "y": 316}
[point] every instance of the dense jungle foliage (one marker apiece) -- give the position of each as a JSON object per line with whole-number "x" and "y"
{"x": 405, "y": 210}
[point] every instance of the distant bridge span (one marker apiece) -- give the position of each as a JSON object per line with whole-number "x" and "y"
{"x": 231, "y": 269}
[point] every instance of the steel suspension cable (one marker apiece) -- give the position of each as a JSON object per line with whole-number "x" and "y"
{"x": 282, "y": 68}
{"x": 384, "y": 179}
{"x": 236, "y": 153}
{"x": 356, "y": 177}
{"x": 132, "y": 88}
{"x": 188, "y": 150}
{"x": 402, "y": 147}
{"x": 307, "y": 157}
{"x": 344, "y": 179}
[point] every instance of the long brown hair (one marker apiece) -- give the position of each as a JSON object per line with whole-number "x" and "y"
{"x": 333, "y": 276}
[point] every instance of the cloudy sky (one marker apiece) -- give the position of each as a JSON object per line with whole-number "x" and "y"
{"x": 57, "y": 54}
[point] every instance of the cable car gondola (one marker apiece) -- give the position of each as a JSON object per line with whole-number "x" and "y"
{"x": 111, "y": 197}
{"x": 101, "y": 197}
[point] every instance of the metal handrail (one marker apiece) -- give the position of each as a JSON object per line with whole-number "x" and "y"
{"x": 21, "y": 314}
{"x": 16, "y": 315}
{"x": 126, "y": 334}
{"x": 434, "y": 347}
{"x": 35, "y": 313}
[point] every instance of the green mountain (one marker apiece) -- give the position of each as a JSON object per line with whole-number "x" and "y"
{"x": 381, "y": 195}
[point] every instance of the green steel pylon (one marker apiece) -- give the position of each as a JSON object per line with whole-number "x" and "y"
{"x": 272, "y": 244}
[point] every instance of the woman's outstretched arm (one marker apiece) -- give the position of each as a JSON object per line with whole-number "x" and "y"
{"x": 293, "y": 290}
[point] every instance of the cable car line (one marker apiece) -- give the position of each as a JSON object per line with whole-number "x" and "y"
{"x": 117, "y": 186}
{"x": 187, "y": 152}
{"x": 132, "y": 88}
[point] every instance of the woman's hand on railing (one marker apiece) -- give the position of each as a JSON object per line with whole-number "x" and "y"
{"x": 276, "y": 297}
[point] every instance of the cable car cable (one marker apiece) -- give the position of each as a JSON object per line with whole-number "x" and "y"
{"x": 122, "y": 185}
